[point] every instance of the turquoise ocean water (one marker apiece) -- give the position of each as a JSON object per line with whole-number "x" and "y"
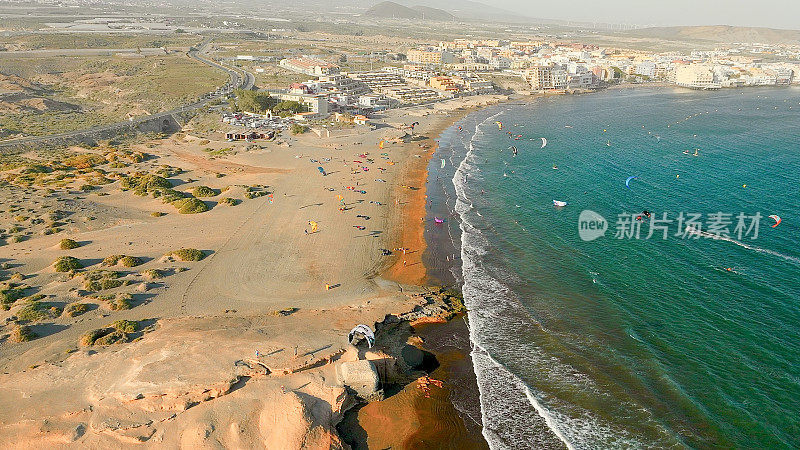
{"x": 619, "y": 343}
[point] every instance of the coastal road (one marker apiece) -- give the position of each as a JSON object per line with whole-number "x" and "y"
{"x": 238, "y": 79}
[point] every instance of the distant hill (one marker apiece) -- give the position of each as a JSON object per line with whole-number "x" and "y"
{"x": 394, "y": 10}
{"x": 472, "y": 10}
{"x": 720, "y": 34}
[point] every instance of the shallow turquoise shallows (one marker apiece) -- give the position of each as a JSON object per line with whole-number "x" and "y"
{"x": 684, "y": 341}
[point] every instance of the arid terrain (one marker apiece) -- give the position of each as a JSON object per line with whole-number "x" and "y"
{"x": 149, "y": 287}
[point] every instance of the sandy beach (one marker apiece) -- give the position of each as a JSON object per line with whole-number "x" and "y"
{"x": 245, "y": 346}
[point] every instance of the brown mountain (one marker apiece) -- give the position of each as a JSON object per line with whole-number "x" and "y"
{"x": 392, "y": 10}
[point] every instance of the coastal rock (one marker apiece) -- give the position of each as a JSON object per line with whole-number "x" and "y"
{"x": 361, "y": 377}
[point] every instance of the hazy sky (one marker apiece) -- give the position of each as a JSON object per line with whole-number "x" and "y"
{"x": 762, "y": 13}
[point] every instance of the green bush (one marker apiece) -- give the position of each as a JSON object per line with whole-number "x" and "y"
{"x": 36, "y": 311}
{"x": 67, "y": 264}
{"x": 130, "y": 261}
{"x": 84, "y": 161}
{"x": 190, "y": 205}
{"x": 122, "y": 260}
{"x": 114, "y": 337}
{"x": 188, "y": 254}
{"x": 296, "y": 128}
{"x": 229, "y": 201}
{"x": 68, "y": 244}
{"x": 157, "y": 214}
{"x": 125, "y": 326}
{"x": 99, "y": 279}
{"x": 10, "y": 295}
{"x": 112, "y": 260}
{"x": 102, "y": 284}
{"x": 253, "y": 101}
{"x": 144, "y": 184}
{"x": 168, "y": 195}
{"x": 76, "y": 309}
{"x": 154, "y": 274}
{"x": 88, "y": 339}
{"x": 120, "y": 302}
{"x": 204, "y": 191}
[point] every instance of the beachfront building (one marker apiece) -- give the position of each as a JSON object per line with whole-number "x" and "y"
{"x": 546, "y": 78}
{"x": 309, "y": 66}
{"x": 696, "y": 76}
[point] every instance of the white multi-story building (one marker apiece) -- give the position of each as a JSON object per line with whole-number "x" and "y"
{"x": 696, "y": 76}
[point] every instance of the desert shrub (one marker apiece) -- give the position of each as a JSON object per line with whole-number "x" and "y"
{"x": 122, "y": 260}
{"x": 168, "y": 195}
{"x": 9, "y": 295}
{"x": 68, "y": 244}
{"x": 157, "y": 214}
{"x": 99, "y": 279}
{"x": 204, "y": 191}
{"x": 125, "y": 326}
{"x": 67, "y": 264}
{"x": 112, "y": 260}
{"x": 120, "y": 302}
{"x": 229, "y": 201}
{"x": 16, "y": 239}
{"x": 144, "y": 184}
{"x": 84, "y": 161}
{"x": 114, "y": 337}
{"x": 22, "y": 333}
{"x": 17, "y": 277}
{"x": 190, "y": 205}
{"x": 88, "y": 339}
{"x": 130, "y": 261}
{"x": 154, "y": 274}
{"x": 168, "y": 171}
{"x": 188, "y": 254}
{"x": 102, "y": 284}
{"x": 36, "y": 311}
{"x": 87, "y": 187}
{"x": 76, "y": 309}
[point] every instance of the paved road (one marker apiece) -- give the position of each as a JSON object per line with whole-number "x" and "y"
{"x": 238, "y": 78}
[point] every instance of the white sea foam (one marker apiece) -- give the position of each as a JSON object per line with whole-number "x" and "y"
{"x": 754, "y": 248}
{"x": 513, "y": 414}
